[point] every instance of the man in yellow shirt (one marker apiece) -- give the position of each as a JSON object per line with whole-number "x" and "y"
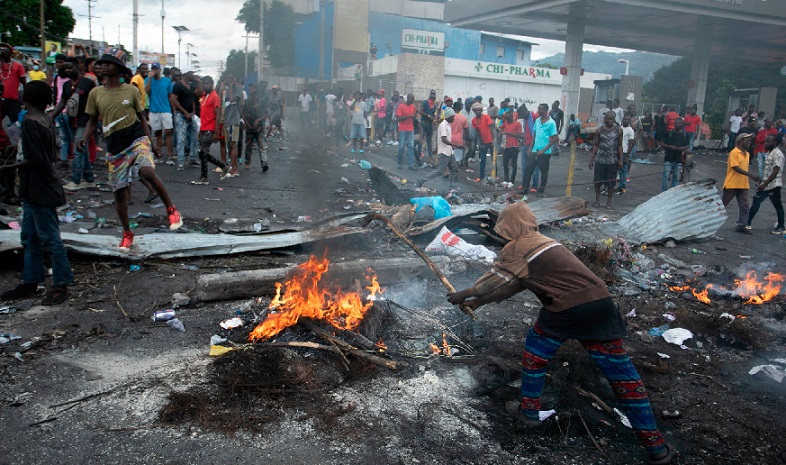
{"x": 138, "y": 81}
{"x": 36, "y": 74}
{"x": 737, "y": 182}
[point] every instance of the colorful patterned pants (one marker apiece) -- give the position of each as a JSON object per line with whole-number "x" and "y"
{"x": 611, "y": 358}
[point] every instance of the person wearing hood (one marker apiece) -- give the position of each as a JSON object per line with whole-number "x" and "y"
{"x": 576, "y": 305}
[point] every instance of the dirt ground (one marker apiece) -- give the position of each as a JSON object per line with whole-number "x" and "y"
{"x": 96, "y": 380}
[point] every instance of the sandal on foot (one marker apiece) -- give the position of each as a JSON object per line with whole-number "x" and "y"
{"x": 609, "y": 207}
{"x": 522, "y": 421}
{"x": 670, "y": 453}
{"x": 596, "y": 204}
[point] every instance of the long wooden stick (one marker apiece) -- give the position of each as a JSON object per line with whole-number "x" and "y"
{"x": 587, "y": 394}
{"x": 440, "y": 275}
{"x": 390, "y": 364}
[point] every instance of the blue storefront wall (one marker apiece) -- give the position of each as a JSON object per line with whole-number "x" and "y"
{"x": 307, "y": 43}
{"x": 385, "y": 29}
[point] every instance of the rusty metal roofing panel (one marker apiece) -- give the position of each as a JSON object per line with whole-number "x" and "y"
{"x": 687, "y": 212}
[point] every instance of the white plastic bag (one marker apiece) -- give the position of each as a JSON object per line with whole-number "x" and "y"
{"x": 450, "y": 244}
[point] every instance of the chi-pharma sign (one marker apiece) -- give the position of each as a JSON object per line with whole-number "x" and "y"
{"x": 423, "y": 42}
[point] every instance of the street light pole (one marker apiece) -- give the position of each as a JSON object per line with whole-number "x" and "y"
{"x": 627, "y": 65}
{"x": 179, "y": 29}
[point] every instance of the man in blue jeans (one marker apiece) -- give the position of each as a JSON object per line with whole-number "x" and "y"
{"x": 81, "y": 168}
{"x": 41, "y": 193}
{"x": 405, "y": 118}
{"x": 674, "y": 144}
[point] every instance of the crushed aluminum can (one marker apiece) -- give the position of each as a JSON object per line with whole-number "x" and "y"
{"x": 163, "y": 315}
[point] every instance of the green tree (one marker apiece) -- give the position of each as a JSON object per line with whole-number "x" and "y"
{"x": 235, "y": 63}
{"x": 279, "y": 35}
{"x": 670, "y": 85}
{"x": 20, "y": 18}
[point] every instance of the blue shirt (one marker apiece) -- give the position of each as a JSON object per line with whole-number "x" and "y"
{"x": 159, "y": 94}
{"x": 542, "y": 133}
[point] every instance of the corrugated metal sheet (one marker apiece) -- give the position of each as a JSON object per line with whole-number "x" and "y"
{"x": 686, "y": 212}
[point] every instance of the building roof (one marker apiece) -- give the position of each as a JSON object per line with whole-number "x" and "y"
{"x": 510, "y": 37}
{"x": 749, "y": 31}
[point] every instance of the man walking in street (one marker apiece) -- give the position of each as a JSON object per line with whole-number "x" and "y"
{"x": 231, "y": 96}
{"x": 761, "y": 138}
{"x": 484, "y": 129}
{"x": 81, "y": 169}
{"x": 211, "y": 106}
{"x": 735, "y": 121}
{"x": 459, "y": 129}
{"x": 254, "y": 123}
{"x": 513, "y": 133}
{"x": 540, "y": 152}
{"x": 607, "y": 157}
{"x": 158, "y": 89}
{"x": 628, "y": 149}
{"x": 559, "y": 119}
{"x": 674, "y": 146}
{"x": 183, "y": 101}
{"x": 119, "y": 107}
{"x": 405, "y": 120}
{"x": 304, "y": 99}
{"x": 445, "y": 147}
{"x": 428, "y": 117}
{"x": 770, "y": 187}
{"x": 736, "y": 185}
{"x": 692, "y": 126}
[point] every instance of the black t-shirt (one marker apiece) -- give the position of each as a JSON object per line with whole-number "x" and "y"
{"x": 38, "y": 182}
{"x": 185, "y": 96}
{"x": 646, "y": 124}
{"x": 197, "y": 103}
{"x": 83, "y": 88}
{"x": 558, "y": 116}
{"x": 660, "y": 123}
{"x": 677, "y": 139}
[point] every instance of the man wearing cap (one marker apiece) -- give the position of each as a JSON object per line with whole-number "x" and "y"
{"x": 127, "y": 135}
{"x": 11, "y": 75}
{"x": 736, "y": 185}
{"x": 445, "y": 147}
{"x": 158, "y": 88}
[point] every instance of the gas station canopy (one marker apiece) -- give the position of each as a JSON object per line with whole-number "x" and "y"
{"x": 749, "y": 31}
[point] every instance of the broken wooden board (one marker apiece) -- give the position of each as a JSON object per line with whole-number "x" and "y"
{"x": 254, "y": 283}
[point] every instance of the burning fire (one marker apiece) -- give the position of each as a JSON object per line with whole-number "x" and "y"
{"x": 301, "y": 296}
{"x": 757, "y": 292}
{"x": 381, "y": 346}
{"x": 443, "y": 350}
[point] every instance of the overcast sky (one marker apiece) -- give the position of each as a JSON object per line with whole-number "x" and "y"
{"x": 213, "y": 29}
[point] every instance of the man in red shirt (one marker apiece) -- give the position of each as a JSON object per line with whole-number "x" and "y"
{"x": 207, "y": 130}
{"x": 484, "y": 127}
{"x": 405, "y": 115}
{"x": 670, "y": 117}
{"x": 11, "y": 75}
{"x": 692, "y": 125}
{"x": 761, "y": 137}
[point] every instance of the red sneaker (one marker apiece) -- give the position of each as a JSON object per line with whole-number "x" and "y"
{"x": 128, "y": 240}
{"x": 175, "y": 220}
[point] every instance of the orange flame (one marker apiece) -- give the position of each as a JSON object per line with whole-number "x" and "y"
{"x": 679, "y": 288}
{"x": 756, "y": 291}
{"x": 434, "y": 349}
{"x": 381, "y": 346}
{"x": 703, "y": 296}
{"x": 445, "y": 346}
{"x": 304, "y": 298}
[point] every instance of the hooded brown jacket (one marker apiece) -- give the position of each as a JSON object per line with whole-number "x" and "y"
{"x": 535, "y": 262}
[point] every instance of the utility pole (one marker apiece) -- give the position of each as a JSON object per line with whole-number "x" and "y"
{"x": 135, "y": 52}
{"x": 261, "y": 54}
{"x": 245, "y": 57}
{"x": 90, "y": 24}
{"x": 43, "y": 35}
{"x": 163, "y": 14}
{"x": 179, "y": 29}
